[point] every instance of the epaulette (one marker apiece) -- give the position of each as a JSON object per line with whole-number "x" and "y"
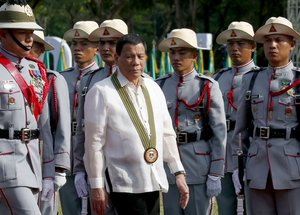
{"x": 200, "y": 76}
{"x": 255, "y": 69}
{"x": 222, "y": 70}
{"x": 68, "y": 70}
{"x": 164, "y": 77}
{"x": 55, "y": 73}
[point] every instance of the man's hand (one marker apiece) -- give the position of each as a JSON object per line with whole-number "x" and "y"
{"x": 213, "y": 186}
{"x": 81, "y": 185}
{"x": 99, "y": 200}
{"x": 183, "y": 190}
{"x": 47, "y": 189}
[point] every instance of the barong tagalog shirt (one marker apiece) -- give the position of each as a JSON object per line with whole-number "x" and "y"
{"x": 112, "y": 140}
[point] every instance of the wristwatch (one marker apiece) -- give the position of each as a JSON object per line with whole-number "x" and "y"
{"x": 179, "y": 172}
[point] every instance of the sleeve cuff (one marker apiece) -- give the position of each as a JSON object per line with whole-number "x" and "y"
{"x": 96, "y": 182}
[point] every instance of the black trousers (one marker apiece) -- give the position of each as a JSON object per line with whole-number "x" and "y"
{"x": 136, "y": 203}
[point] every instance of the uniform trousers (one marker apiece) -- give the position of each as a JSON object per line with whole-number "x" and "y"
{"x": 274, "y": 202}
{"x": 19, "y": 201}
{"x": 136, "y": 203}
{"x": 70, "y": 202}
{"x": 199, "y": 202}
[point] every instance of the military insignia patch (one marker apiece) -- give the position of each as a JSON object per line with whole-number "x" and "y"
{"x": 28, "y": 11}
{"x": 173, "y": 42}
{"x": 31, "y": 66}
{"x": 233, "y": 34}
{"x": 106, "y": 32}
{"x": 76, "y": 34}
{"x": 272, "y": 29}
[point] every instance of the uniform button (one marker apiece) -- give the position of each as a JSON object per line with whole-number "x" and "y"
{"x": 298, "y": 153}
{"x": 28, "y": 123}
{"x": 269, "y": 145}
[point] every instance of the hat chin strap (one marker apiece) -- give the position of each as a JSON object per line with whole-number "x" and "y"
{"x": 17, "y": 41}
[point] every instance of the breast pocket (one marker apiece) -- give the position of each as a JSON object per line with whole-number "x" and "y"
{"x": 7, "y": 160}
{"x": 257, "y": 102}
{"x": 10, "y": 99}
{"x": 292, "y": 153}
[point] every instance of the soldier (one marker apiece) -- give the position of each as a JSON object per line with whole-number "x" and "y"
{"x": 108, "y": 32}
{"x": 59, "y": 107}
{"x": 269, "y": 109}
{"x": 24, "y": 115}
{"x": 84, "y": 48}
{"x": 197, "y": 109}
{"x": 240, "y": 47}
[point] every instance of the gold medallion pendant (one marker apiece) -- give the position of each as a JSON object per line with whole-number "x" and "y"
{"x": 150, "y": 155}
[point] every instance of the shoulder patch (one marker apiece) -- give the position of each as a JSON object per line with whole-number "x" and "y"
{"x": 164, "y": 77}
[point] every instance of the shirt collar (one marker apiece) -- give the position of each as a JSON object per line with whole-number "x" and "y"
{"x": 124, "y": 81}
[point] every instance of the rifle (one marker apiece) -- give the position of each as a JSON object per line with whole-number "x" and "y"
{"x": 241, "y": 196}
{"x": 84, "y": 205}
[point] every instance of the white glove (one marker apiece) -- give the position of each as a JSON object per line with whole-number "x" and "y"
{"x": 213, "y": 186}
{"x": 47, "y": 189}
{"x": 236, "y": 181}
{"x": 81, "y": 185}
{"x": 60, "y": 180}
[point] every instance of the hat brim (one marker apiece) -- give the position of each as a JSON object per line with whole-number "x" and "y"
{"x": 47, "y": 46}
{"x": 164, "y": 45}
{"x": 98, "y": 33}
{"x": 226, "y": 35}
{"x": 280, "y": 29}
{"x": 20, "y": 25}
{"x": 69, "y": 35}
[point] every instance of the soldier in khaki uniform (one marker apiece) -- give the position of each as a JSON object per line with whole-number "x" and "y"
{"x": 240, "y": 47}
{"x": 23, "y": 115}
{"x": 59, "y": 107}
{"x": 269, "y": 110}
{"x": 196, "y": 106}
{"x": 84, "y": 48}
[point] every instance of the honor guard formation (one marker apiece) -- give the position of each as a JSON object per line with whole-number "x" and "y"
{"x": 109, "y": 140}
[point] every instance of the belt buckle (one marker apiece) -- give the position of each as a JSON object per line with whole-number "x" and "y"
{"x": 248, "y": 95}
{"x": 25, "y": 135}
{"x": 264, "y": 132}
{"x": 74, "y": 126}
{"x": 297, "y": 99}
{"x": 228, "y": 124}
{"x": 182, "y": 138}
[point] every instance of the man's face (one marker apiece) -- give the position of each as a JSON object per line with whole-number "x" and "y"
{"x": 108, "y": 50}
{"x": 84, "y": 51}
{"x": 22, "y": 35}
{"x": 182, "y": 59}
{"x": 132, "y": 61}
{"x": 240, "y": 51}
{"x": 277, "y": 48}
{"x": 37, "y": 49}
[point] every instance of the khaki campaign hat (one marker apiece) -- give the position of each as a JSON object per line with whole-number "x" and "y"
{"x": 110, "y": 28}
{"x": 82, "y": 30}
{"x": 183, "y": 37}
{"x": 236, "y": 30}
{"x": 276, "y": 25}
{"x": 38, "y": 36}
{"x": 17, "y": 16}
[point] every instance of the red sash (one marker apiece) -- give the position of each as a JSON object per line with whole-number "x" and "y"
{"x": 27, "y": 90}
